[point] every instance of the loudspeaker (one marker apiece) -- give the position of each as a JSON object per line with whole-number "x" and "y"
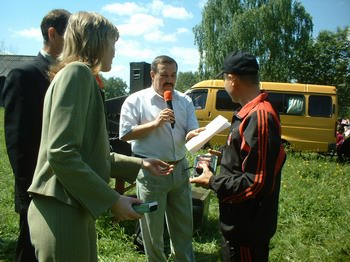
{"x": 140, "y": 77}
{"x": 113, "y": 107}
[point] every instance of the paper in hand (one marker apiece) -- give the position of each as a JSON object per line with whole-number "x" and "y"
{"x": 219, "y": 124}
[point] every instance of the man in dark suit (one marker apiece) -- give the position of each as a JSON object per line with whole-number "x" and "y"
{"x": 23, "y": 96}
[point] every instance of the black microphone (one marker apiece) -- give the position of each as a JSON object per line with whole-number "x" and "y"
{"x": 168, "y": 97}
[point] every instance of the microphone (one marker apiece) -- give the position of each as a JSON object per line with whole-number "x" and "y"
{"x": 168, "y": 97}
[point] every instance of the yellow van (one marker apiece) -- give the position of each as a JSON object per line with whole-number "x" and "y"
{"x": 308, "y": 112}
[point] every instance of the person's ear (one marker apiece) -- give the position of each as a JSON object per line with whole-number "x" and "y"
{"x": 51, "y": 33}
{"x": 231, "y": 77}
{"x": 152, "y": 75}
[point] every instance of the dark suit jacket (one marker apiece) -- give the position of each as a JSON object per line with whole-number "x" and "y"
{"x": 23, "y": 95}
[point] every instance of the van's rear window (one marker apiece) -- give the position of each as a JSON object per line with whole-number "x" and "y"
{"x": 320, "y": 106}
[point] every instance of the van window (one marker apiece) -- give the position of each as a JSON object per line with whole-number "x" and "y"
{"x": 199, "y": 98}
{"x": 295, "y": 105}
{"x": 320, "y": 106}
{"x": 288, "y": 104}
{"x": 224, "y": 102}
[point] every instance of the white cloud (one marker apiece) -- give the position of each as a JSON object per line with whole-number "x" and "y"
{"x": 176, "y": 13}
{"x": 133, "y": 49}
{"x": 124, "y": 9}
{"x": 148, "y": 29}
{"x": 148, "y": 20}
{"x": 169, "y": 11}
{"x": 182, "y": 30}
{"x": 127, "y": 52}
{"x": 160, "y": 37}
{"x": 140, "y": 24}
{"x": 32, "y": 33}
{"x": 186, "y": 56}
{"x": 120, "y": 71}
{"x": 156, "y": 8}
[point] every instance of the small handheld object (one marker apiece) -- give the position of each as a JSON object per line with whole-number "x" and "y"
{"x": 145, "y": 207}
{"x": 168, "y": 97}
{"x": 212, "y": 163}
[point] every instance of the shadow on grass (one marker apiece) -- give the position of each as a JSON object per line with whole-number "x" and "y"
{"x": 208, "y": 232}
{"x": 7, "y": 249}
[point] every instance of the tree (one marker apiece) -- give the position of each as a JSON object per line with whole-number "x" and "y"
{"x": 185, "y": 80}
{"x": 2, "y": 47}
{"x": 114, "y": 87}
{"x": 7, "y": 50}
{"x": 271, "y": 29}
{"x": 326, "y": 61}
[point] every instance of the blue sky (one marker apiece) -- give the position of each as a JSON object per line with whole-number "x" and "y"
{"x": 148, "y": 27}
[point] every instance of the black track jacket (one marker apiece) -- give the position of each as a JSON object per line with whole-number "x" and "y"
{"x": 249, "y": 181}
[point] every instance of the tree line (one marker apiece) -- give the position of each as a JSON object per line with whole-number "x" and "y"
{"x": 279, "y": 33}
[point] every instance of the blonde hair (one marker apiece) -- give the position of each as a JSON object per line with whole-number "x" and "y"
{"x": 87, "y": 37}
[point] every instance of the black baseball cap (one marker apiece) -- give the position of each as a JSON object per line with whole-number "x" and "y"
{"x": 240, "y": 63}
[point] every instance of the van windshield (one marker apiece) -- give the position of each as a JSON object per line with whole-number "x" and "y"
{"x": 199, "y": 98}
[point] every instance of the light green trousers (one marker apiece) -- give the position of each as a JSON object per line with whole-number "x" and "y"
{"x": 60, "y": 232}
{"x": 174, "y": 196}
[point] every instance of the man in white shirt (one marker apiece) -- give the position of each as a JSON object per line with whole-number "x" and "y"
{"x": 146, "y": 121}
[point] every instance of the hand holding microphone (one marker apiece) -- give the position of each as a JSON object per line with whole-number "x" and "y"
{"x": 168, "y": 97}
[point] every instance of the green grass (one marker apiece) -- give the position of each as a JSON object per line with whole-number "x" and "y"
{"x": 314, "y": 216}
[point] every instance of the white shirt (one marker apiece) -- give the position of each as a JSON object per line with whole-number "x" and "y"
{"x": 163, "y": 142}
{"x": 51, "y": 59}
{"x": 347, "y": 132}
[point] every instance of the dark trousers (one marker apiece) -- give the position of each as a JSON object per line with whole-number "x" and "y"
{"x": 247, "y": 252}
{"x": 340, "y": 153}
{"x": 24, "y": 251}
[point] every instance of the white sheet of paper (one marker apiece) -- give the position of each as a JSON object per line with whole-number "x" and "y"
{"x": 219, "y": 124}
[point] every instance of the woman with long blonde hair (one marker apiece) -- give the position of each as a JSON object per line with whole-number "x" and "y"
{"x": 70, "y": 186}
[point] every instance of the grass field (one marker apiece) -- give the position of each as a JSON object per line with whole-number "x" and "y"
{"x": 314, "y": 216}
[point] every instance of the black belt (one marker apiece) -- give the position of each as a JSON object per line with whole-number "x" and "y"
{"x": 168, "y": 162}
{"x": 173, "y": 162}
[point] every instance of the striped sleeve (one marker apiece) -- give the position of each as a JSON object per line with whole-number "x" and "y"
{"x": 260, "y": 154}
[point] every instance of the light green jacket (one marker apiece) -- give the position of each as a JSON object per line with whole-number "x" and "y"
{"x": 74, "y": 163}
